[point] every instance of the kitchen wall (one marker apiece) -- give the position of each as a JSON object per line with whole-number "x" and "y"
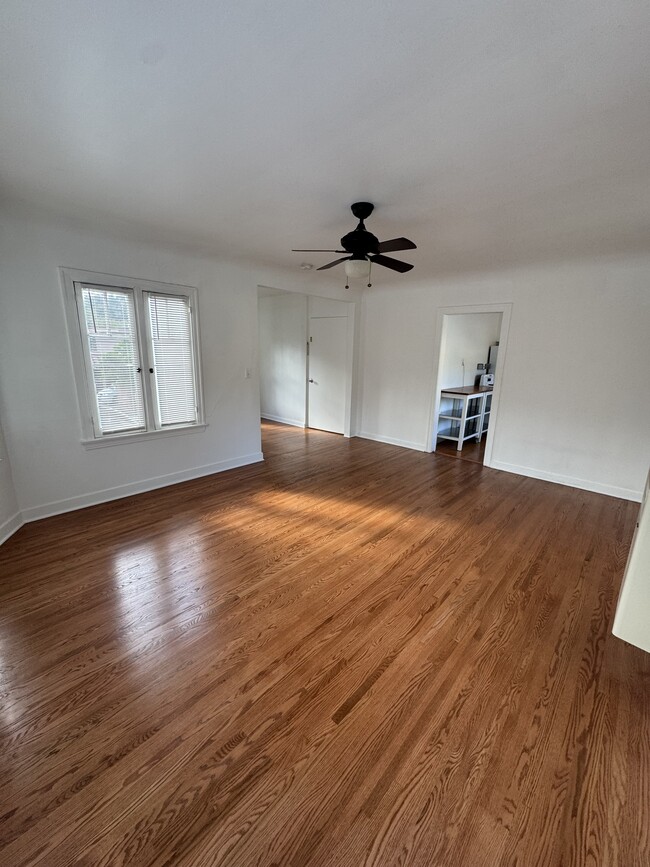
{"x": 466, "y": 338}
{"x": 573, "y": 396}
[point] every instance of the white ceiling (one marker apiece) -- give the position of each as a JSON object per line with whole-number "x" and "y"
{"x": 491, "y": 133}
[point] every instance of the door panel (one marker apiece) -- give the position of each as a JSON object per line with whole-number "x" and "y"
{"x": 328, "y": 349}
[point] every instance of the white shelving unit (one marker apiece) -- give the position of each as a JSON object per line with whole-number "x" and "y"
{"x": 487, "y": 407}
{"x": 464, "y": 413}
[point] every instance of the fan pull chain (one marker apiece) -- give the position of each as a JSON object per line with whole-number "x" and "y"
{"x": 369, "y": 272}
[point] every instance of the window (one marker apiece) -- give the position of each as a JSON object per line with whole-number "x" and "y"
{"x": 135, "y": 349}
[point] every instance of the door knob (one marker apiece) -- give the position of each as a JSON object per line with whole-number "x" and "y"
{"x": 311, "y": 380}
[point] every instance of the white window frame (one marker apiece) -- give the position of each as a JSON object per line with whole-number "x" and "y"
{"x": 91, "y": 436}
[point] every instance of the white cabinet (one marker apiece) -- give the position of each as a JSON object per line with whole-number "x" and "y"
{"x": 632, "y": 619}
{"x": 464, "y": 413}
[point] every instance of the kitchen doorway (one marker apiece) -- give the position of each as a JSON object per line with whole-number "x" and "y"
{"x": 470, "y": 360}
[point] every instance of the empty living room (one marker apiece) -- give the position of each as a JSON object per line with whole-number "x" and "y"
{"x": 324, "y": 434}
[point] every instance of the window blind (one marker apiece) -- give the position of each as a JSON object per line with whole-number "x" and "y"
{"x": 170, "y": 330}
{"x": 112, "y": 346}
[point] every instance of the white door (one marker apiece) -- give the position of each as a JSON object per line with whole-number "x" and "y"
{"x": 328, "y": 349}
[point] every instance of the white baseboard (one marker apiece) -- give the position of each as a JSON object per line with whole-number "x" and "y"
{"x": 69, "y": 505}
{"x": 294, "y": 422}
{"x": 571, "y": 481}
{"x": 404, "y": 444}
{"x": 9, "y": 527}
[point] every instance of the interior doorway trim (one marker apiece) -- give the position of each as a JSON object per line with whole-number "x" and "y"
{"x": 351, "y": 363}
{"x": 506, "y": 311}
{"x": 352, "y": 340}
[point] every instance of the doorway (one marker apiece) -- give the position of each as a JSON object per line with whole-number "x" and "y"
{"x": 327, "y": 368}
{"x": 306, "y": 351}
{"x": 469, "y": 367}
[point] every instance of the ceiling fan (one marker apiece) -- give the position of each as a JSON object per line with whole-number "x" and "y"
{"x": 365, "y": 248}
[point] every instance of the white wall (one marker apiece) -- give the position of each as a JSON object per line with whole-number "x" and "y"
{"x": 574, "y": 405}
{"x": 283, "y": 357}
{"x": 573, "y": 399}
{"x": 51, "y": 470}
{"x": 466, "y": 338}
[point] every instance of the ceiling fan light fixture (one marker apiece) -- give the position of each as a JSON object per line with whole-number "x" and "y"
{"x": 357, "y": 269}
{"x": 364, "y": 250}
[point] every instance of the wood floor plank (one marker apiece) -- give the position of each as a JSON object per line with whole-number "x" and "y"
{"x": 351, "y": 654}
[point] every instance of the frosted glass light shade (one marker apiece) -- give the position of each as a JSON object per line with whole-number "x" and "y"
{"x": 357, "y": 269}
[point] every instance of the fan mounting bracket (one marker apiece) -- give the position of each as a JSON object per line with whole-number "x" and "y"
{"x": 362, "y": 210}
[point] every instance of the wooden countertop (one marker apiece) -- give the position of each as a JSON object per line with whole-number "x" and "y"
{"x": 468, "y": 389}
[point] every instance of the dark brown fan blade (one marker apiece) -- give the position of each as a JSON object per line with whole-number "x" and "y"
{"x": 332, "y": 264}
{"x": 387, "y": 262}
{"x": 318, "y": 251}
{"x": 396, "y": 244}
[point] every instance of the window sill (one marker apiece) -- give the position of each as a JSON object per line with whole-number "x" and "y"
{"x": 123, "y": 439}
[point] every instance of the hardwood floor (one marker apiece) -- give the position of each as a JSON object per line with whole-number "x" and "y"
{"x": 352, "y": 654}
{"x": 471, "y": 450}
